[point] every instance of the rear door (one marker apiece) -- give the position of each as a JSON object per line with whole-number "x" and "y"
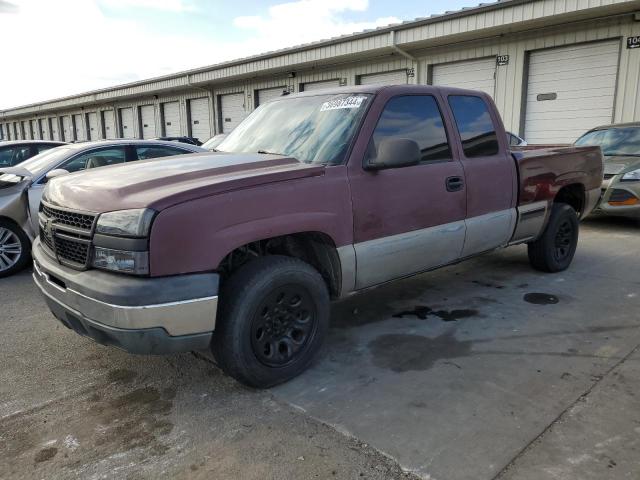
{"x": 490, "y": 173}
{"x": 405, "y": 219}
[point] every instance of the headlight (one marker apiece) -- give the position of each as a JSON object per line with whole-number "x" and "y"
{"x": 136, "y": 263}
{"x": 126, "y": 223}
{"x": 633, "y": 176}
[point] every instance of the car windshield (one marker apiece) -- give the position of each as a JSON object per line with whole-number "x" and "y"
{"x": 316, "y": 129}
{"x": 614, "y": 141}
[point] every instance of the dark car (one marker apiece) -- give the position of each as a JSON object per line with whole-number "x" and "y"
{"x": 16, "y": 152}
{"x": 188, "y": 140}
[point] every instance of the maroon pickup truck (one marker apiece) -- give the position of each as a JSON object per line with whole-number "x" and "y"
{"x": 313, "y": 197}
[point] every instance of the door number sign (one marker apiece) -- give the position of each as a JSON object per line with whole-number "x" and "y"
{"x": 502, "y": 60}
{"x": 633, "y": 42}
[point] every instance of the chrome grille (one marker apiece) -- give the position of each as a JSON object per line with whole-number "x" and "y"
{"x": 67, "y": 235}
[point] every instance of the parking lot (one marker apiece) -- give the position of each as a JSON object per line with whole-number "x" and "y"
{"x": 482, "y": 370}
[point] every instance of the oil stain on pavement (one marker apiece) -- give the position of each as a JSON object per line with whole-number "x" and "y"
{"x": 422, "y": 312}
{"x": 404, "y": 352}
{"x": 541, "y": 298}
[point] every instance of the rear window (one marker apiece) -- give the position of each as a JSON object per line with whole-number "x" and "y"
{"x": 477, "y": 131}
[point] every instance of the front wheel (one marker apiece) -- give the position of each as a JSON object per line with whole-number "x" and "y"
{"x": 14, "y": 248}
{"x": 273, "y": 318}
{"x": 554, "y": 250}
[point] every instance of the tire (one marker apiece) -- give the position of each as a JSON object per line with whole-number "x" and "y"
{"x": 554, "y": 250}
{"x": 273, "y": 319}
{"x": 15, "y": 248}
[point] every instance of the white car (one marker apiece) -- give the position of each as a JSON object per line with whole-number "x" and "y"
{"x": 21, "y": 186}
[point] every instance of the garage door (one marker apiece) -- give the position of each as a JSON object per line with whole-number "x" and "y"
{"x": 35, "y": 131}
{"x": 266, "y": 94}
{"x": 67, "y": 129}
{"x": 471, "y": 74}
{"x": 108, "y": 119}
{"x": 26, "y": 130}
{"x": 148, "y": 121}
{"x": 312, "y": 86}
{"x": 94, "y": 130}
{"x": 171, "y": 119}
{"x": 55, "y": 128}
{"x": 232, "y": 111}
{"x": 570, "y": 90}
{"x": 3, "y": 135}
{"x": 126, "y": 123}
{"x": 44, "y": 129}
{"x": 200, "y": 118}
{"x": 78, "y": 125}
{"x": 397, "y": 77}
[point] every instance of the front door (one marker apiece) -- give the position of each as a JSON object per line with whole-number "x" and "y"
{"x": 410, "y": 219}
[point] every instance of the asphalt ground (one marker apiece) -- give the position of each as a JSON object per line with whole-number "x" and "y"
{"x": 482, "y": 370}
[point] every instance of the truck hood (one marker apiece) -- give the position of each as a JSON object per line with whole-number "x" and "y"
{"x": 163, "y": 182}
{"x": 614, "y": 165}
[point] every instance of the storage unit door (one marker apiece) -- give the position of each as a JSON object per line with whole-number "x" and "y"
{"x": 148, "y": 121}
{"x": 78, "y": 124}
{"x": 232, "y": 111}
{"x": 398, "y": 77}
{"x": 200, "y": 118}
{"x": 570, "y": 90}
{"x": 55, "y": 128}
{"x": 126, "y": 123}
{"x": 267, "y": 94}
{"x": 171, "y": 119}
{"x": 2, "y": 134}
{"x": 67, "y": 129}
{"x": 25, "y": 130}
{"x": 471, "y": 74}
{"x": 44, "y": 129}
{"x": 35, "y": 131}
{"x": 311, "y": 86}
{"x": 94, "y": 130}
{"x": 109, "y": 121}
{"x": 18, "y": 131}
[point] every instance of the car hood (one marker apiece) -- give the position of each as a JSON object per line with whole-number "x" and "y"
{"x": 163, "y": 182}
{"x": 614, "y": 165}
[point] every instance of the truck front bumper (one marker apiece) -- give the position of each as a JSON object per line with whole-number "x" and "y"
{"x": 139, "y": 315}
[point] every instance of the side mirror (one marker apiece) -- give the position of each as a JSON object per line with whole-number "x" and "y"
{"x": 395, "y": 152}
{"x": 58, "y": 172}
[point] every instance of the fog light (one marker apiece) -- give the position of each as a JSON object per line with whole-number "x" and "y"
{"x": 136, "y": 263}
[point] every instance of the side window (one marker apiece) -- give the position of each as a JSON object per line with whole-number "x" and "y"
{"x": 6, "y": 157}
{"x": 95, "y": 159}
{"x": 145, "y": 153}
{"x": 477, "y": 132}
{"x": 44, "y": 147}
{"x": 418, "y": 118}
{"x": 20, "y": 154}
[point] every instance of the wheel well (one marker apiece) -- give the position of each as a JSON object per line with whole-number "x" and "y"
{"x": 572, "y": 195}
{"x": 314, "y": 248}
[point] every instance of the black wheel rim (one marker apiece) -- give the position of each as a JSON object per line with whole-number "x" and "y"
{"x": 283, "y": 326}
{"x": 564, "y": 240}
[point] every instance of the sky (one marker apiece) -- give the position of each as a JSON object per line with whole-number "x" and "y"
{"x": 55, "y": 48}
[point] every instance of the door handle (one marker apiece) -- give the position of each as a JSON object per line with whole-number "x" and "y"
{"x": 454, "y": 184}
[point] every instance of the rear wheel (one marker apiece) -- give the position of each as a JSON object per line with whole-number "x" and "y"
{"x": 554, "y": 250}
{"x": 14, "y": 248}
{"x": 273, "y": 318}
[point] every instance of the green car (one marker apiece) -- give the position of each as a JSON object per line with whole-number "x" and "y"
{"x": 621, "y": 185}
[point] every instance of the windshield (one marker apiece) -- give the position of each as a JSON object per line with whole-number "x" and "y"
{"x": 40, "y": 164}
{"x": 614, "y": 141}
{"x": 315, "y": 129}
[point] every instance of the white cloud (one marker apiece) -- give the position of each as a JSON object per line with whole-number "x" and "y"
{"x": 306, "y": 21}
{"x": 66, "y": 47}
{"x": 165, "y": 5}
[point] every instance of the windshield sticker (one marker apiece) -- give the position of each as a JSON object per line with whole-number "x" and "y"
{"x": 349, "y": 102}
